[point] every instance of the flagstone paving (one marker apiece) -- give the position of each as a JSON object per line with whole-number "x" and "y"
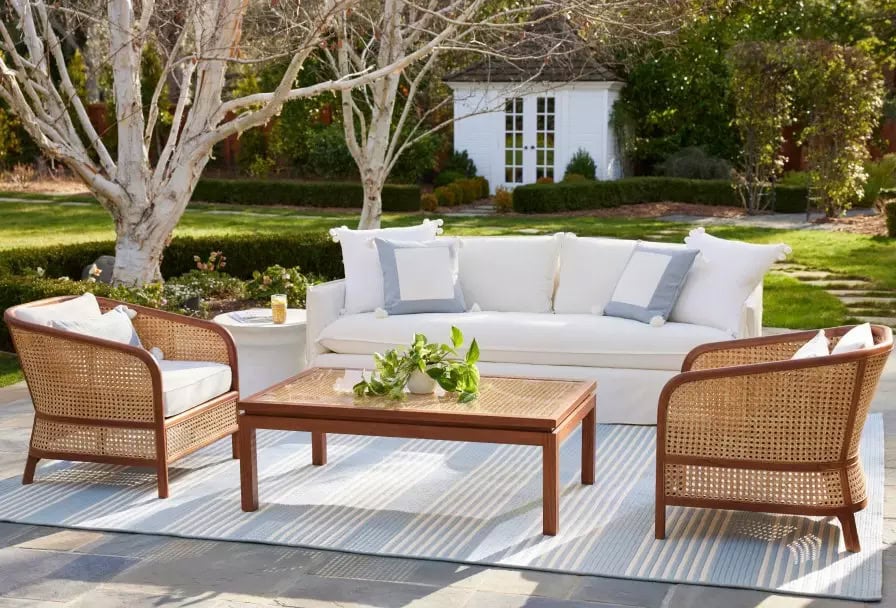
{"x": 52, "y": 567}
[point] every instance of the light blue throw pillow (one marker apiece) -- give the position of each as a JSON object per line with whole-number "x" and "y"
{"x": 650, "y": 284}
{"x": 420, "y": 277}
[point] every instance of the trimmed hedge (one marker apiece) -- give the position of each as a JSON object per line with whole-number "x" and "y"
{"x": 576, "y": 196}
{"x": 890, "y": 210}
{"x": 349, "y": 195}
{"x": 314, "y": 254}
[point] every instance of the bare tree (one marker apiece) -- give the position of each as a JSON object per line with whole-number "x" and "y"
{"x": 535, "y": 39}
{"x": 200, "y": 40}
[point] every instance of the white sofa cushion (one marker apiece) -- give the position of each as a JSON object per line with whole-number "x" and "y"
{"x": 83, "y": 308}
{"x": 186, "y": 384}
{"x": 723, "y": 277}
{"x": 590, "y": 268}
{"x": 537, "y": 338}
{"x": 509, "y": 274}
{"x": 363, "y": 275}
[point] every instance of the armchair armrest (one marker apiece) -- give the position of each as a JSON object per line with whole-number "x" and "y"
{"x": 746, "y": 351}
{"x": 182, "y": 338}
{"x": 324, "y": 305}
{"x": 72, "y": 375}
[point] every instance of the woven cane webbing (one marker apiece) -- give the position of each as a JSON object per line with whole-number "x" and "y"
{"x": 874, "y": 367}
{"x": 511, "y": 397}
{"x": 181, "y": 341}
{"x": 785, "y": 416}
{"x": 746, "y": 355}
{"x": 68, "y": 378}
{"x": 92, "y": 440}
{"x": 803, "y": 488}
{"x": 213, "y": 423}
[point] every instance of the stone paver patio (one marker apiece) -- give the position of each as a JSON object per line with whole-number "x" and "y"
{"x": 41, "y": 566}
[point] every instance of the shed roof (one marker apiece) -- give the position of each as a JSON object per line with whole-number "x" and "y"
{"x": 549, "y": 50}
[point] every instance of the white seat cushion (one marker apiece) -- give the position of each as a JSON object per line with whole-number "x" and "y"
{"x": 536, "y": 338}
{"x": 83, "y": 308}
{"x": 186, "y": 384}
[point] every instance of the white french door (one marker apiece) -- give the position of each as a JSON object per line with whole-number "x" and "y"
{"x": 529, "y": 139}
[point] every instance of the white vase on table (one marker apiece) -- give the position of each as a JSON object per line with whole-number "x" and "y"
{"x": 421, "y": 384}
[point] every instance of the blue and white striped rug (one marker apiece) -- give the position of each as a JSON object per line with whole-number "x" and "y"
{"x": 470, "y": 503}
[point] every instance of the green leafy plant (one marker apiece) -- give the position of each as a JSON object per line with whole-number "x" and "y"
{"x": 277, "y": 279}
{"x": 440, "y": 362}
{"x": 460, "y": 162}
{"x": 582, "y": 164}
{"x": 503, "y": 200}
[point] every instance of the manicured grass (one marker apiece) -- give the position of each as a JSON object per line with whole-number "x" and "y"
{"x": 10, "y": 373}
{"x": 790, "y": 303}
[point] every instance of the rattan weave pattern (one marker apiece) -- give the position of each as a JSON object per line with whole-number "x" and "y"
{"x": 69, "y": 378}
{"x": 93, "y": 440}
{"x": 790, "y": 416}
{"x": 180, "y": 341}
{"x": 498, "y": 396}
{"x": 746, "y": 355}
{"x": 197, "y": 430}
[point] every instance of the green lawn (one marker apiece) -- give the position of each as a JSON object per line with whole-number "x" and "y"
{"x": 788, "y": 303}
{"x": 9, "y": 370}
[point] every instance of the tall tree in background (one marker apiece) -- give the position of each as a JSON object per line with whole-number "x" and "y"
{"x": 199, "y": 41}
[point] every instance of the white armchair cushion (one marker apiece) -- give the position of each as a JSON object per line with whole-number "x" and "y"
{"x": 590, "y": 268}
{"x": 114, "y": 325}
{"x": 363, "y": 274}
{"x": 509, "y": 274}
{"x": 83, "y": 308}
{"x": 857, "y": 338}
{"x": 816, "y": 347}
{"x": 721, "y": 280}
{"x": 186, "y": 384}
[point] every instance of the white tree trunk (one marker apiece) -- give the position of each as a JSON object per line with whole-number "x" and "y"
{"x": 372, "y": 212}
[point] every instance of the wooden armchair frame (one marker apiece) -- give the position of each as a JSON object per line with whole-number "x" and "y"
{"x": 744, "y": 427}
{"x": 97, "y": 400}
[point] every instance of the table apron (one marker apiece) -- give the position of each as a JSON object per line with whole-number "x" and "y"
{"x": 391, "y": 429}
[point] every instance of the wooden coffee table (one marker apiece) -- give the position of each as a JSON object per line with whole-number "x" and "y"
{"x": 518, "y": 411}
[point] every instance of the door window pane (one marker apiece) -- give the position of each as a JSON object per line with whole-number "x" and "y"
{"x": 544, "y": 137}
{"x": 513, "y": 141}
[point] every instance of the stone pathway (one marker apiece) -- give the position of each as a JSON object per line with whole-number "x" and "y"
{"x": 862, "y": 300}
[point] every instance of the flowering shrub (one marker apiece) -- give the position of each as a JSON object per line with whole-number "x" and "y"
{"x": 277, "y": 279}
{"x": 215, "y": 263}
{"x": 503, "y": 200}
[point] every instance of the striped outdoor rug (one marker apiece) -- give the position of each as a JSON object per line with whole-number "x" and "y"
{"x": 470, "y": 503}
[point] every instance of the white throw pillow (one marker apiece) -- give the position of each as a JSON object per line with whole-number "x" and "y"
{"x": 82, "y": 308}
{"x": 115, "y": 325}
{"x": 509, "y": 273}
{"x": 590, "y": 268}
{"x": 723, "y": 277}
{"x": 363, "y": 275}
{"x": 857, "y": 338}
{"x": 420, "y": 277}
{"x": 816, "y": 347}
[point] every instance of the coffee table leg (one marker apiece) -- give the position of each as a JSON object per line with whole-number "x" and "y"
{"x": 589, "y": 427}
{"x": 248, "y": 469}
{"x": 318, "y": 448}
{"x": 551, "y": 485}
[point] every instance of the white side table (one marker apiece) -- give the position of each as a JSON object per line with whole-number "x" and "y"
{"x": 267, "y": 353}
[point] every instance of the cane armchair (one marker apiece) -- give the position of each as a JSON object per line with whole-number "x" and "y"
{"x": 97, "y": 400}
{"x": 743, "y": 427}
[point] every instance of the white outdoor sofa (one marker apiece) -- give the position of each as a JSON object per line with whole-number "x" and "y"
{"x": 631, "y": 361}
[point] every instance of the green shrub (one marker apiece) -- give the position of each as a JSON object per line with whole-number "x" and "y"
{"x": 503, "y": 200}
{"x": 890, "y": 210}
{"x": 881, "y": 176}
{"x": 396, "y": 197}
{"x": 447, "y": 177}
{"x": 460, "y": 162}
{"x": 429, "y": 202}
{"x": 694, "y": 163}
{"x": 417, "y": 160}
{"x": 472, "y": 189}
{"x": 574, "y": 177}
{"x": 460, "y": 193}
{"x": 328, "y": 155}
{"x": 484, "y": 187}
{"x": 277, "y": 279}
{"x": 582, "y": 164}
{"x": 580, "y": 195}
{"x": 790, "y": 199}
{"x": 445, "y": 196}
{"x": 795, "y": 178}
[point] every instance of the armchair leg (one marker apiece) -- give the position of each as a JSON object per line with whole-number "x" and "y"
{"x": 162, "y": 474}
{"x": 235, "y": 445}
{"x": 850, "y": 532}
{"x": 30, "y": 466}
{"x": 659, "y": 525}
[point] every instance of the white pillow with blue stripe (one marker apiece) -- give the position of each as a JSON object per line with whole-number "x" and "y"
{"x": 114, "y": 325}
{"x": 420, "y": 277}
{"x": 650, "y": 284}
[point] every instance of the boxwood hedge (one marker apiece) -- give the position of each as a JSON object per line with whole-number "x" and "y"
{"x": 577, "y": 196}
{"x": 349, "y": 195}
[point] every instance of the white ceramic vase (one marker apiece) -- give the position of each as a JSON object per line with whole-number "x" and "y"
{"x": 421, "y": 384}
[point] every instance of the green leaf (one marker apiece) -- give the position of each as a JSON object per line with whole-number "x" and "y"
{"x": 457, "y": 336}
{"x": 473, "y": 353}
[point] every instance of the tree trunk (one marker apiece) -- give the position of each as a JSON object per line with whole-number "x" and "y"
{"x": 372, "y": 212}
{"x": 138, "y": 258}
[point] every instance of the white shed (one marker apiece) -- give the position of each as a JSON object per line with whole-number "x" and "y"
{"x": 523, "y": 120}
